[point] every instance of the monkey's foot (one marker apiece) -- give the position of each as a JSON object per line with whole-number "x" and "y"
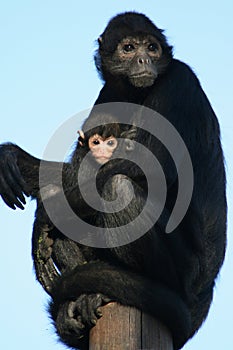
{"x": 86, "y": 308}
{"x": 76, "y": 318}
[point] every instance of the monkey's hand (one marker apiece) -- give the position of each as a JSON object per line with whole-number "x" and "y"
{"x": 129, "y": 135}
{"x": 12, "y": 184}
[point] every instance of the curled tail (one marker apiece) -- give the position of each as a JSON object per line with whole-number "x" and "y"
{"x": 127, "y": 288}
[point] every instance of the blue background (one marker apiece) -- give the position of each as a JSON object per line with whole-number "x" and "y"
{"x": 47, "y": 75}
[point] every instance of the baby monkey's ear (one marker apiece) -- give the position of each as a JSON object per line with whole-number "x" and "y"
{"x": 81, "y": 137}
{"x": 100, "y": 40}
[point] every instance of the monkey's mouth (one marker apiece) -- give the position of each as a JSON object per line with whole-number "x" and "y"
{"x": 143, "y": 79}
{"x": 102, "y": 160}
{"x": 144, "y": 74}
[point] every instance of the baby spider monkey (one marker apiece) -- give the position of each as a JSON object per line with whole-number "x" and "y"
{"x": 102, "y": 141}
{"x": 102, "y": 148}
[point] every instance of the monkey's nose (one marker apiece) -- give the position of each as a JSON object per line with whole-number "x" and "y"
{"x": 143, "y": 60}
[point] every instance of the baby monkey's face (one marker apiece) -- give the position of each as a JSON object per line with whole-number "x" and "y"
{"x": 102, "y": 148}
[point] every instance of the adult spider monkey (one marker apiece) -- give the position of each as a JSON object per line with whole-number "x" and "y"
{"x": 170, "y": 276}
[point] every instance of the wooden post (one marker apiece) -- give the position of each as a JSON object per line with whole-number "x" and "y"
{"x": 126, "y": 328}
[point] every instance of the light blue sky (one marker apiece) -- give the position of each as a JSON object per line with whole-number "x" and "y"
{"x": 47, "y": 75}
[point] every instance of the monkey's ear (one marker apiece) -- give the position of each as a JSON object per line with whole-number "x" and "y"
{"x": 81, "y": 138}
{"x": 100, "y": 40}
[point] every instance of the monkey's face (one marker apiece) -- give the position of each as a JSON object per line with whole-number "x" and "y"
{"x": 137, "y": 58}
{"x": 102, "y": 149}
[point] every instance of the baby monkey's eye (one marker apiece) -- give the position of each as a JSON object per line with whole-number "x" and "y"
{"x": 95, "y": 142}
{"x": 111, "y": 143}
{"x": 128, "y": 47}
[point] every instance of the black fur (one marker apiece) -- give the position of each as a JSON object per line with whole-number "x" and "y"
{"x": 170, "y": 276}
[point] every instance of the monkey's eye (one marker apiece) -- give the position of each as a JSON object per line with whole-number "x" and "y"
{"x": 153, "y": 47}
{"x": 111, "y": 143}
{"x": 128, "y": 47}
{"x": 95, "y": 142}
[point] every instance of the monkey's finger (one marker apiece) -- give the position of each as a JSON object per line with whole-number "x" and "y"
{"x": 71, "y": 309}
{"x": 15, "y": 182}
{"x": 12, "y": 202}
{"x": 13, "y": 168}
{"x": 8, "y": 195}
